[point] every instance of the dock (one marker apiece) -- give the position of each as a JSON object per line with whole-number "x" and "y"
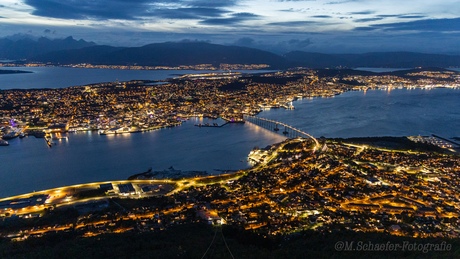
{"x": 447, "y": 140}
{"x": 214, "y": 125}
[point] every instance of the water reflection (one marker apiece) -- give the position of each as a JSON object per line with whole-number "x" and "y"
{"x": 28, "y": 164}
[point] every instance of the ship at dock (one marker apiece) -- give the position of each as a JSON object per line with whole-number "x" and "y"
{"x": 119, "y": 130}
{"x": 4, "y": 142}
{"x": 14, "y": 133}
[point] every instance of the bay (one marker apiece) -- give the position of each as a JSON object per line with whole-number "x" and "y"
{"x": 28, "y": 164}
{"x": 396, "y": 112}
{"x": 61, "y": 77}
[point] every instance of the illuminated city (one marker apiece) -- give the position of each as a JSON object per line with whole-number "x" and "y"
{"x": 229, "y": 129}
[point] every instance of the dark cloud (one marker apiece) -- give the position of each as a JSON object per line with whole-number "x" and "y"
{"x": 412, "y": 16}
{"x": 233, "y": 19}
{"x": 362, "y": 13}
{"x": 128, "y": 9}
{"x": 369, "y": 19}
{"x": 293, "y": 23}
{"x": 292, "y": 10}
{"x": 439, "y": 25}
{"x": 83, "y": 9}
{"x": 188, "y": 13}
{"x": 341, "y": 2}
{"x": 322, "y": 16}
{"x": 207, "y": 3}
{"x": 364, "y": 29}
{"x": 403, "y": 16}
{"x": 388, "y": 15}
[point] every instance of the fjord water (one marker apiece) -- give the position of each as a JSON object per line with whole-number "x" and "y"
{"x": 60, "y": 77}
{"x": 28, "y": 164}
{"x": 396, "y": 112}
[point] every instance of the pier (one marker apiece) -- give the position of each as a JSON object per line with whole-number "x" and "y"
{"x": 214, "y": 125}
{"x": 15, "y": 133}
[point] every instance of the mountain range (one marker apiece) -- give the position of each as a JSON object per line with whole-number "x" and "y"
{"x": 70, "y": 51}
{"x": 26, "y": 48}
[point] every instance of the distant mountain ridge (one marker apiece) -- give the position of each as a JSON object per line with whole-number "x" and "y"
{"x": 70, "y": 51}
{"x": 165, "y": 54}
{"x": 25, "y": 48}
{"x": 373, "y": 59}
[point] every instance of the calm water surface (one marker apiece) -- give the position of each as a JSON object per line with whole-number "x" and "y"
{"x": 28, "y": 164}
{"x": 60, "y": 77}
{"x": 399, "y": 112}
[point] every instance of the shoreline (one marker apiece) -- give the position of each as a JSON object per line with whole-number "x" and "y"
{"x": 336, "y": 93}
{"x": 388, "y": 143}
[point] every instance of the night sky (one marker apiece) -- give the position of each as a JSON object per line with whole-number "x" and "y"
{"x": 329, "y": 26}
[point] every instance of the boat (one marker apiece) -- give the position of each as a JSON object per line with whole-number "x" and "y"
{"x": 3, "y": 142}
{"x": 13, "y": 134}
{"x": 10, "y": 135}
{"x": 49, "y": 141}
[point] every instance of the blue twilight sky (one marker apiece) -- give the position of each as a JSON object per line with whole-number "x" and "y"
{"x": 330, "y": 26}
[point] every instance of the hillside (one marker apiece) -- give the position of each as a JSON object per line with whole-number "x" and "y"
{"x": 165, "y": 54}
{"x": 376, "y": 59}
{"x": 24, "y": 48}
{"x": 70, "y": 51}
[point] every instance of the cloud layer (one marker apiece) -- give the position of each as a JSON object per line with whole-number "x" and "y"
{"x": 277, "y": 25}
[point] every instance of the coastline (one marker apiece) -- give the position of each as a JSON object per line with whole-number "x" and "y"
{"x": 7, "y": 72}
{"x": 388, "y": 143}
{"x": 313, "y": 96}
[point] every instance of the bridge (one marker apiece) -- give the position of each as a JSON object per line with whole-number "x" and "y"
{"x": 280, "y": 127}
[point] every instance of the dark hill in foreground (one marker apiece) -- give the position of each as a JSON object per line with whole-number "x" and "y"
{"x": 204, "y": 241}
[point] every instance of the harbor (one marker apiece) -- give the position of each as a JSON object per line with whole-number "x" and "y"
{"x": 14, "y": 132}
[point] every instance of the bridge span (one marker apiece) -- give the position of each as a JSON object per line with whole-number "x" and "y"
{"x": 285, "y": 129}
